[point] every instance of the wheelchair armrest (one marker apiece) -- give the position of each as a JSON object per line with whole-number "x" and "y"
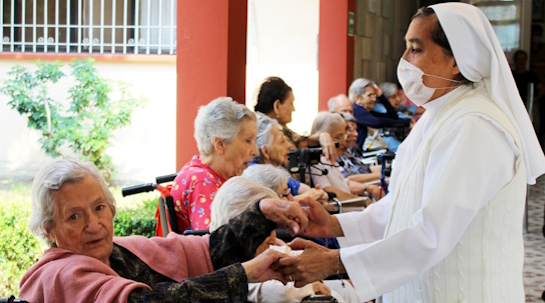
{"x": 190, "y": 232}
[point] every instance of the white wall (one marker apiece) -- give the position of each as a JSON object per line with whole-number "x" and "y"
{"x": 140, "y": 152}
{"x": 283, "y": 42}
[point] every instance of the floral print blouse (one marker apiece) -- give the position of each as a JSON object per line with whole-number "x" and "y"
{"x": 193, "y": 191}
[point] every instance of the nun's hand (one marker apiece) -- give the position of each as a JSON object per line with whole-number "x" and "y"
{"x": 284, "y": 212}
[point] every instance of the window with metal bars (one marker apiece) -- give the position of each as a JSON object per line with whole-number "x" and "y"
{"x": 88, "y": 26}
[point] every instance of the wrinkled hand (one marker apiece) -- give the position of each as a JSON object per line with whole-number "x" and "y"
{"x": 377, "y": 90}
{"x": 320, "y": 223}
{"x": 328, "y": 147}
{"x": 321, "y": 289}
{"x": 315, "y": 194}
{"x": 284, "y": 212}
{"x": 260, "y": 268}
{"x": 314, "y": 264}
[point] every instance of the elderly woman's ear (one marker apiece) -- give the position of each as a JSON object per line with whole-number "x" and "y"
{"x": 265, "y": 153}
{"x": 219, "y": 145}
{"x": 276, "y": 106}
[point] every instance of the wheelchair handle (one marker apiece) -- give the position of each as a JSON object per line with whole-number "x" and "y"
{"x": 166, "y": 178}
{"x": 12, "y": 299}
{"x": 142, "y": 188}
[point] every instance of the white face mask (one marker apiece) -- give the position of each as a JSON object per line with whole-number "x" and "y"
{"x": 410, "y": 78}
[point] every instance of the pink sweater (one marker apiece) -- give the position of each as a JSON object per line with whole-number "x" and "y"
{"x": 63, "y": 276}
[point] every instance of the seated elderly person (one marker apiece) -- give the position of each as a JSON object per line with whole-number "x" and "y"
{"x": 237, "y": 194}
{"x": 275, "y": 99}
{"x": 73, "y": 210}
{"x": 340, "y": 104}
{"x": 391, "y": 137}
{"x": 276, "y": 178}
{"x": 334, "y": 181}
{"x": 273, "y": 148}
{"x": 363, "y": 93}
{"x": 225, "y": 132}
{"x": 351, "y": 167}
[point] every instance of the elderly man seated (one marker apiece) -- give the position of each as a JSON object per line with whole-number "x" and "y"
{"x": 340, "y": 104}
{"x": 73, "y": 210}
{"x": 273, "y": 148}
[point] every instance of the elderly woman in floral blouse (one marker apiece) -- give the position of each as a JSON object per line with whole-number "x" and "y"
{"x": 225, "y": 132}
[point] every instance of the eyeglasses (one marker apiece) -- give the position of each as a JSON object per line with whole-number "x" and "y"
{"x": 285, "y": 194}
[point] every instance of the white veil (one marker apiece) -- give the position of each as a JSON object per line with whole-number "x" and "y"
{"x": 479, "y": 56}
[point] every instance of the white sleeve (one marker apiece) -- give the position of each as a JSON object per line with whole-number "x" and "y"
{"x": 466, "y": 169}
{"x": 274, "y": 291}
{"x": 366, "y": 226}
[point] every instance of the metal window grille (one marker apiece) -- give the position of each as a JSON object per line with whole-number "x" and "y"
{"x": 88, "y": 26}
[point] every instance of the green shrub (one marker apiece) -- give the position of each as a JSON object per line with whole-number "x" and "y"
{"x": 136, "y": 221}
{"x": 19, "y": 249}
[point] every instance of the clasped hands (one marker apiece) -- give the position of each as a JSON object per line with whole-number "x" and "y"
{"x": 316, "y": 262}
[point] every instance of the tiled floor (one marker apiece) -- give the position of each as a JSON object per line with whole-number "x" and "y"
{"x": 534, "y": 242}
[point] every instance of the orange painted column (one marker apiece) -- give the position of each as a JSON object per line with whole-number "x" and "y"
{"x": 335, "y": 50}
{"x": 210, "y": 62}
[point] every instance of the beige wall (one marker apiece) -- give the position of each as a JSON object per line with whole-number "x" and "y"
{"x": 140, "y": 152}
{"x": 379, "y": 31}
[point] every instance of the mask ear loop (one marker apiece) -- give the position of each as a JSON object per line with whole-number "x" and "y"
{"x": 451, "y": 80}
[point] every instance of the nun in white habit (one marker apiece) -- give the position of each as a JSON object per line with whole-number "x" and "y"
{"x": 450, "y": 230}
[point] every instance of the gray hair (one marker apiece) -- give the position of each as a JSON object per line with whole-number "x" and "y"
{"x": 332, "y": 103}
{"x": 233, "y": 197}
{"x": 325, "y": 121}
{"x": 349, "y": 117}
{"x": 357, "y": 88}
{"x": 388, "y": 89}
{"x": 267, "y": 175}
{"x": 48, "y": 183}
{"x": 264, "y": 134}
{"x": 222, "y": 119}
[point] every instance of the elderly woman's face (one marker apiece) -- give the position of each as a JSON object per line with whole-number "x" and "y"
{"x": 427, "y": 55}
{"x": 278, "y": 153}
{"x": 394, "y": 99}
{"x": 241, "y": 151}
{"x": 352, "y": 132}
{"x": 367, "y": 100}
{"x": 338, "y": 134}
{"x": 83, "y": 221}
{"x": 284, "y": 110}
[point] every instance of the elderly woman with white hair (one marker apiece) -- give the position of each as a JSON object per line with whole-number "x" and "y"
{"x": 232, "y": 199}
{"x": 225, "y": 132}
{"x": 273, "y": 148}
{"x": 334, "y": 181}
{"x": 73, "y": 210}
{"x": 364, "y": 93}
{"x": 275, "y": 178}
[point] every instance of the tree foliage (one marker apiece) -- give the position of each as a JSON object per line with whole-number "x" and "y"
{"x": 87, "y": 125}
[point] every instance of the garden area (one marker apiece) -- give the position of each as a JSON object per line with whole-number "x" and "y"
{"x": 19, "y": 249}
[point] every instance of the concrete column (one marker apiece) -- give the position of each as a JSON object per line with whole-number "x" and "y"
{"x": 211, "y": 62}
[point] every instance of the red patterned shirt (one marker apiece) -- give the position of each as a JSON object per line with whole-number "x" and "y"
{"x": 193, "y": 191}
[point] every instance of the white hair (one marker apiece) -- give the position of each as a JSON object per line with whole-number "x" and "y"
{"x": 48, "y": 183}
{"x": 332, "y": 103}
{"x": 326, "y": 121}
{"x": 388, "y": 89}
{"x": 264, "y": 133}
{"x": 221, "y": 118}
{"x": 233, "y": 197}
{"x": 267, "y": 175}
{"x": 357, "y": 88}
